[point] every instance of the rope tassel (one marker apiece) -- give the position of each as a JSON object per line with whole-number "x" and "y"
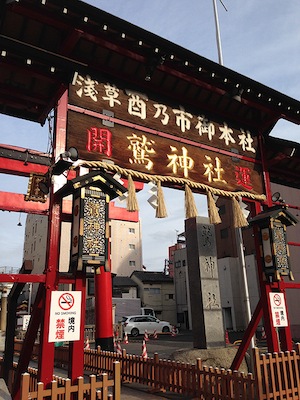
{"x": 238, "y": 216}
{"x": 161, "y": 211}
{"x": 190, "y": 206}
{"x": 214, "y": 217}
{"x": 132, "y": 203}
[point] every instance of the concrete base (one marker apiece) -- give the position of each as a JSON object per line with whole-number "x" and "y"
{"x": 220, "y": 358}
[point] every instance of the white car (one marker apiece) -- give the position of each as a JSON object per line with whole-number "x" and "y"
{"x": 135, "y": 325}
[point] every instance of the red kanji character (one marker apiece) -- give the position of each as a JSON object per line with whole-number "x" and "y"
{"x": 60, "y": 323}
{"x": 60, "y": 334}
{"x": 99, "y": 140}
{"x": 243, "y": 177}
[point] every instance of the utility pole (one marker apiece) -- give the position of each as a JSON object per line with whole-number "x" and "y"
{"x": 218, "y": 31}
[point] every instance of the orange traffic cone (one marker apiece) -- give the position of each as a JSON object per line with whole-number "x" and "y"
{"x": 87, "y": 344}
{"x": 226, "y": 337}
{"x": 144, "y": 350}
{"x": 173, "y": 334}
{"x": 119, "y": 350}
{"x": 146, "y": 336}
{"x": 125, "y": 339}
{"x": 155, "y": 335}
{"x": 263, "y": 333}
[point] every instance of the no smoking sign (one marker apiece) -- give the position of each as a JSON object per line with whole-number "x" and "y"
{"x": 279, "y": 314}
{"x": 65, "y": 316}
{"x": 277, "y": 300}
{"x": 66, "y": 301}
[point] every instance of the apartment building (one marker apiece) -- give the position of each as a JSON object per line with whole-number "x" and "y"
{"x": 124, "y": 236}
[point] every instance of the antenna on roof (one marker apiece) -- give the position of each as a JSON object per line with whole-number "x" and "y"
{"x": 218, "y": 30}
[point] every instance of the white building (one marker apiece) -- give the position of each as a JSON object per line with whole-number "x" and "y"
{"x": 125, "y": 242}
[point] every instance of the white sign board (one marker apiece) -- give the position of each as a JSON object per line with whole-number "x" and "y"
{"x": 278, "y": 309}
{"x": 26, "y": 319}
{"x": 65, "y": 316}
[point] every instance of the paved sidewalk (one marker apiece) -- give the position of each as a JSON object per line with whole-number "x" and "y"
{"x": 135, "y": 391}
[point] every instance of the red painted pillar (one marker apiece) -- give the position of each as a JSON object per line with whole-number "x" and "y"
{"x": 265, "y": 171}
{"x": 103, "y": 310}
{"x": 46, "y": 352}
{"x": 285, "y": 334}
{"x": 76, "y": 348}
{"x": 272, "y": 340}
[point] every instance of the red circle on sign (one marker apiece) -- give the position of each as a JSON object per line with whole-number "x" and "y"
{"x": 277, "y": 300}
{"x": 66, "y": 301}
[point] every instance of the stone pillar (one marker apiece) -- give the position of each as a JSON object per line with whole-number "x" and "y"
{"x": 3, "y": 309}
{"x": 207, "y": 318}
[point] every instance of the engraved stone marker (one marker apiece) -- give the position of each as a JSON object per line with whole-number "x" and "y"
{"x": 207, "y": 318}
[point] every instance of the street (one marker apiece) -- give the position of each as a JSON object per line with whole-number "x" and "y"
{"x": 165, "y": 345}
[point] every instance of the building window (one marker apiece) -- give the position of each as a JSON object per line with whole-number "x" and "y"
{"x": 154, "y": 291}
{"x": 91, "y": 287}
{"x": 178, "y": 264}
{"x": 169, "y": 296}
{"x": 224, "y": 233}
{"x": 117, "y": 292}
{"x": 183, "y": 263}
{"x": 132, "y": 246}
{"x": 131, "y": 263}
{"x": 131, "y": 230}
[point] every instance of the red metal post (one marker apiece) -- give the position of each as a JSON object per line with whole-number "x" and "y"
{"x": 76, "y": 348}
{"x": 46, "y": 352}
{"x": 46, "y": 349}
{"x": 250, "y": 331}
{"x": 285, "y": 333}
{"x": 266, "y": 175}
{"x": 272, "y": 340}
{"x": 103, "y": 310}
{"x": 27, "y": 347}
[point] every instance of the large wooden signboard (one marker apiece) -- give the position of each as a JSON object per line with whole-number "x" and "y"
{"x": 150, "y": 133}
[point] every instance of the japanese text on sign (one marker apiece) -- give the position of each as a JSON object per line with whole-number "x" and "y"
{"x": 136, "y": 105}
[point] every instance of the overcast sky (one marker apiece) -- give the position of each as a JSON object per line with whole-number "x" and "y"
{"x": 260, "y": 39}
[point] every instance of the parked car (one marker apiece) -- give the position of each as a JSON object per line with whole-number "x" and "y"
{"x": 135, "y": 325}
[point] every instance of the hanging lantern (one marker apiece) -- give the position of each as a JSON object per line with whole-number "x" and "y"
{"x": 91, "y": 195}
{"x": 89, "y": 233}
{"x": 274, "y": 249}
